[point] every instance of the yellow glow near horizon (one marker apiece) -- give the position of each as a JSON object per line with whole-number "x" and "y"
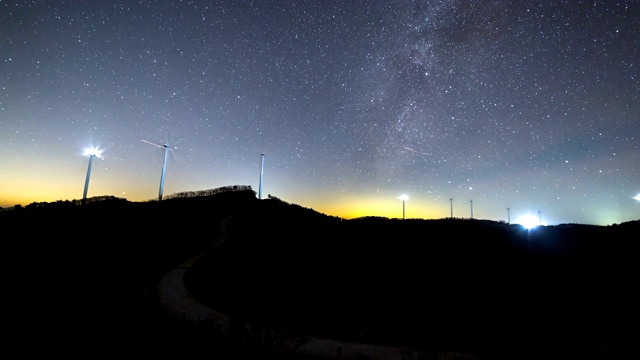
{"x": 378, "y": 206}
{"x": 67, "y": 183}
{"x": 32, "y": 190}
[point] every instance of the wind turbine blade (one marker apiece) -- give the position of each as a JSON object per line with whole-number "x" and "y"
{"x": 149, "y": 142}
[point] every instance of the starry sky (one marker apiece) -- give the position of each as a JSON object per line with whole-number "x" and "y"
{"x": 474, "y": 107}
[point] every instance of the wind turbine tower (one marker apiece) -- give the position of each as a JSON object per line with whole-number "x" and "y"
{"x": 164, "y": 165}
{"x": 403, "y": 198}
{"x": 261, "y": 174}
{"x": 451, "y": 206}
{"x": 92, "y": 153}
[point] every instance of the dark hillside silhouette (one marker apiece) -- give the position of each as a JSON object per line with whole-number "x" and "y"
{"x": 84, "y": 276}
{"x": 451, "y": 284}
{"x": 82, "y": 279}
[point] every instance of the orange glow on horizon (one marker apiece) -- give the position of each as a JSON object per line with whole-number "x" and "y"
{"x": 377, "y": 206}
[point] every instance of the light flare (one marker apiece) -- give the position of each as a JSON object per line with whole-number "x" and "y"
{"x": 528, "y": 221}
{"x": 93, "y": 151}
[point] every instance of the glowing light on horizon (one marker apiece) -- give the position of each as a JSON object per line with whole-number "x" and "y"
{"x": 528, "y": 221}
{"x": 637, "y": 197}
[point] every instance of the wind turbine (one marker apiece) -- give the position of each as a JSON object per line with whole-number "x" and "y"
{"x": 164, "y": 165}
{"x": 404, "y": 198}
{"x": 92, "y": 152}
{"x": 261, "y": 173}
{"x": 451, "y": 206}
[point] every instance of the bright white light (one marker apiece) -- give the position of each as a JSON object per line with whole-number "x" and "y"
{"x": 93, "y": 151}
{"x": 528, "y": 221}
{"x": 637, "y": 197}
{"x": 403, "y": 197}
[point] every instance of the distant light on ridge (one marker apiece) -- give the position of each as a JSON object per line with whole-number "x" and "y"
{"x": 528, "y": 221}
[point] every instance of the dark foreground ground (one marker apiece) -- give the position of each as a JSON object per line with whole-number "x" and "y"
{"x": 81, "y": 280}
{"x": 480, "y": 287}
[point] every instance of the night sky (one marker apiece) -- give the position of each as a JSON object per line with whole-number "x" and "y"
{"x": 528, "y": 105}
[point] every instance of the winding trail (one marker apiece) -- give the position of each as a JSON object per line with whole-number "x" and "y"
{"x": 176, "y": 298}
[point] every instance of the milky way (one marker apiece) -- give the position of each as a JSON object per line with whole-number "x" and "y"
{"x": 528, "y": 105}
